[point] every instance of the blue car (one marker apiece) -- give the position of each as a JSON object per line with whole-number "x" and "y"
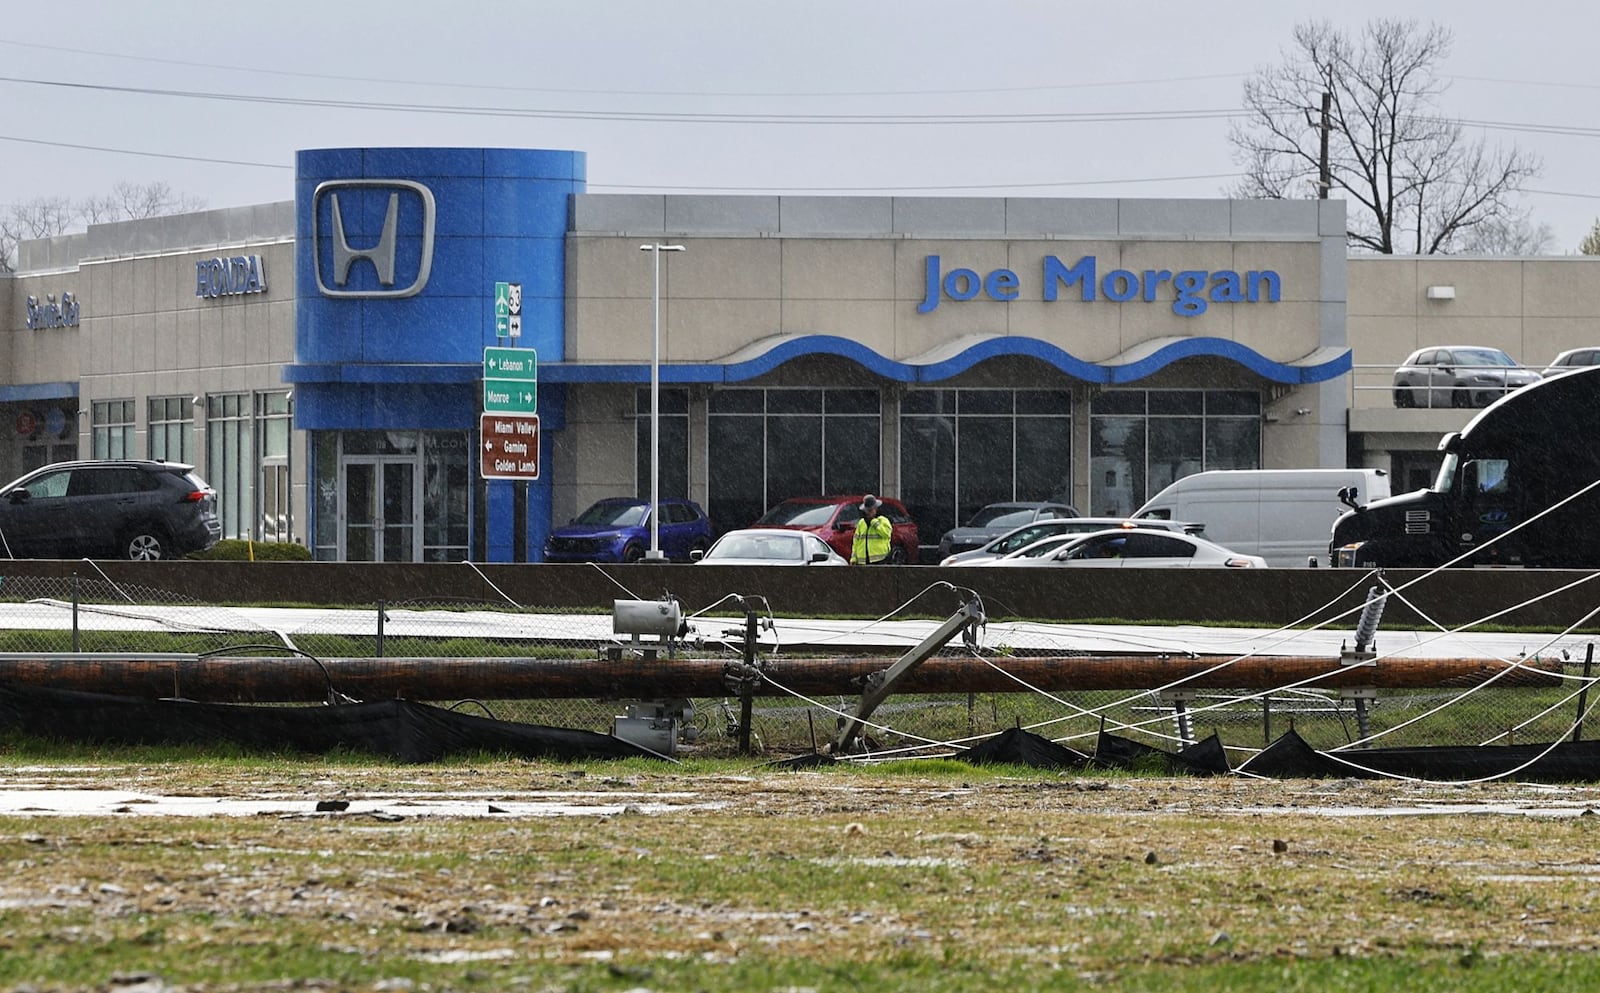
{"x": 618, "y": 530}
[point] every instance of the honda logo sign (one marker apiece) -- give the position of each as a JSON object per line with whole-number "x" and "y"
{"x": 358, "y": 199}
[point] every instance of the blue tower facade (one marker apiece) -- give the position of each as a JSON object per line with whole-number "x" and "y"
{"x": 398, "y": 251}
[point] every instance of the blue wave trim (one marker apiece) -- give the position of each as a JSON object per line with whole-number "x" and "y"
{"x": 1188, "y": 348}
{"x": 820, "y": 344}
{"x": 938, "y": 371}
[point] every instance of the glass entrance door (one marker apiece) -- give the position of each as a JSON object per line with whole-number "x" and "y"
{"x": 378, "y": 510}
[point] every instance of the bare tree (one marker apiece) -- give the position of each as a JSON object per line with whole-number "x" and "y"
{"x": 131, "y": 201}
{"x": 45, "y": 217}
{"x": 1414, "y": 181}
{"x": 1590, "y": 245}
{"x": 42, "y": 217}
{"x": 1512, "y": 235}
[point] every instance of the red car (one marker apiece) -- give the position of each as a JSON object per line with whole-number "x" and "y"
{"x": 833, "y": 518}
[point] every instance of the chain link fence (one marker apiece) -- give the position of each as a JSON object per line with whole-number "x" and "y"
{"x": 44, "y": 616}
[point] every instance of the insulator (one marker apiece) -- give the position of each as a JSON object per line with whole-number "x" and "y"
{"x": 1367, "y": 626}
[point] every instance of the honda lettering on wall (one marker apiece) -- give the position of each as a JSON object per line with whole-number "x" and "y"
{"x": 372, "y": 238}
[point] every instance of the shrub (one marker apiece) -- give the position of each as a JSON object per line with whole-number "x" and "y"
{"x": 239, "y": 550}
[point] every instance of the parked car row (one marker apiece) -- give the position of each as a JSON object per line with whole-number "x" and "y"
{"x": 619, "y": 530}
{"x": 995, "y": 520}
{"x": 1061, "y": 528}
{"x": 141, "y": 509}
{"x": 809, "y": 531}
{"x": 1473, "y": 375}
{"x": 1122, "y": 548}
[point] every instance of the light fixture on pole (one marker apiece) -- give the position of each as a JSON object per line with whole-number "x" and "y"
{"x": 655, "y": 251}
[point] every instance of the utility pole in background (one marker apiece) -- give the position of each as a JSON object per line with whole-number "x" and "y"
{"x": 1325, "y": 178}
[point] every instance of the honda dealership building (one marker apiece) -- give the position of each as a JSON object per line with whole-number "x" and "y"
{"x": 434, "y": 354}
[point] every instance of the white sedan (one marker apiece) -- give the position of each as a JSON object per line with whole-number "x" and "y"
{"x": 1060, "y": 529}
{"x": 769, "y": 546}
{"x": 1130, "y": 548}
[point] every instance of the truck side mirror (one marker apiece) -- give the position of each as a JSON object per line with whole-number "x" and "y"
{"x": 1348, "y": 495}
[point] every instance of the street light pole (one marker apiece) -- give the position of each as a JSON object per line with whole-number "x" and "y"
{"x": 655, "y": 250}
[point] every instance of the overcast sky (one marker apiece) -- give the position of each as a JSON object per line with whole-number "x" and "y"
{"x": 608, "y": 78}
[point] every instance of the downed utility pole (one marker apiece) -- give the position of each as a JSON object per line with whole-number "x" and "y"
{"x": 880, "y": 684}
{"x": 263, "y": 679}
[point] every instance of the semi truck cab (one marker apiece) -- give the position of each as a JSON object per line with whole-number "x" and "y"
{"x": 1471, "y": 503}
{"x": 1519, "y": 485}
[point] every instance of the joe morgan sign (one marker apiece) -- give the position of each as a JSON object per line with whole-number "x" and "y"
{"x": 1190, "y": 290}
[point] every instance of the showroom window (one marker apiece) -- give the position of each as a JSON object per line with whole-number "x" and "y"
{"x": 962, "y": 449}
{"x": 230, "y": 459}
{"x": 113, "y": 429}
{"x": 1142, "y": 440}
{"x": 674, "y": 421}
{"x": 274, "y": 426}
{"x": 764, "y": 446}
{"x": 171, "y": 436}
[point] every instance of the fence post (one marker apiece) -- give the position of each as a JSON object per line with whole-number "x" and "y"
{"x": 747, "y": 685}
{"x": 74, "y": 585}
{"x": 381, "y": 617}
{"x": 1583, "y": 694}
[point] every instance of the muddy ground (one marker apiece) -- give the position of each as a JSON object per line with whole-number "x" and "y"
{"x": 511, "y": 866}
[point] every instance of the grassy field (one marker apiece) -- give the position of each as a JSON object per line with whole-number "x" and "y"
{"x": 728, "y": 876}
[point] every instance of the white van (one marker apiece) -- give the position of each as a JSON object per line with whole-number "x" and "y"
{"x": 1283, "y": 515}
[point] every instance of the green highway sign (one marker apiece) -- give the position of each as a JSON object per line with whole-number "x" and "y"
{"x": 502, "y": 309}
{"x": 510, "y": 381}
{"x": 508, "y": 310}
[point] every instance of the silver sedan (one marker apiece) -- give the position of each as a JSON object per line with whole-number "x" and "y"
{"x": 1128, "y": 548}
{"x": 1458, "y": 376}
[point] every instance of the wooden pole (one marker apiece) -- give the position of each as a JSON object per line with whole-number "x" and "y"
{"x": 291, "y": 679}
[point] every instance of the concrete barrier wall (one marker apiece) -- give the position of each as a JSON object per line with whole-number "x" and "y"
{"x": 1267, "y": 598}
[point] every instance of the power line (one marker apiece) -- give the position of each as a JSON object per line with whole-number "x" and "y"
{"x": 134, "y": 151}
{"x": 776, "y": 189}
{"x": 437, "y": 84}
{"x": 1528, "y": 82}
{"x": 1571, "y": 131}
{"x": 675, "y": 117}
{"x": 887, "y": 189}
{"x": 1558, "y": 193}
{"x": 665, "y": 188}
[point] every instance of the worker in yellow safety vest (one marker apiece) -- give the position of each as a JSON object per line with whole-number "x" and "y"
{"x": 873, "y": 534}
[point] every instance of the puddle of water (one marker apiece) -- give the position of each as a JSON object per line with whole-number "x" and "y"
{"x": 454, "y": 956}
{"x": 104, "y": 803}
{"x": 1425, "y": 810}
{"x": 896, "y": 861}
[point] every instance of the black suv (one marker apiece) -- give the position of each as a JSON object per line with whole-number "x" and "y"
{"x": 123, "y": 508}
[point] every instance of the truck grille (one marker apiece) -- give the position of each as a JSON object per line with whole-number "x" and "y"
{"x": 1417, "y": 522}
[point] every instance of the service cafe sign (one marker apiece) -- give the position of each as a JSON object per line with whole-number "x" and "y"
{"x": 1190, "y": 291}
{"x": 51, "y": 314}
{"x": 230, "y": 276}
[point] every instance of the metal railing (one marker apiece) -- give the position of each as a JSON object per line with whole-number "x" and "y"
{"x": 1373, "y": 385}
